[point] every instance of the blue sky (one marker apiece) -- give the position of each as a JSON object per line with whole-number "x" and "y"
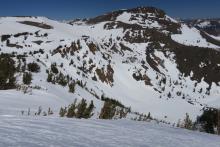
{"x": 69, "y": 9}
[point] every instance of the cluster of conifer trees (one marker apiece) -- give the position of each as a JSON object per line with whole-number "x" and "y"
{"x": 78, "y": 110}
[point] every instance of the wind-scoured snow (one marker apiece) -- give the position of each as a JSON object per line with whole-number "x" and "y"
{"x": 63, "y": 132}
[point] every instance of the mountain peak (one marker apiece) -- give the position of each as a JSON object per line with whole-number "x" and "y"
{"x": 112, "y": 16}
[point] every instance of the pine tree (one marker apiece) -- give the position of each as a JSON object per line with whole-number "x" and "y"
{"x": 72, "y": 87}
{"x": 7, "y": 71}
{"x": 63, "y": 112}
{"x": 149, "y": 116}
{"x": 178, "y": 123}
{"x": 33, "y": 67}
{"x": 218, "y": 124}
{"x": 88, "y": 112}
{"x": 121, "y": 113}
{"x": 208, "y": 120}
{"x": 71, "y": 110}
{"x": 187, "y": 123}
{"x": 49, "y": 77}
{"x": 50, "y": 112}
{"x": 27, "y": 77}
{"x": 54, "y": 68}
{"x": 39, "y": 110}
{"x": 108, "y": 110}
{"x": 81, "y": 108}
{"x": 61, "y": 80}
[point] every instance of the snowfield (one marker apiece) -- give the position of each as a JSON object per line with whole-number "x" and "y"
{"x": 163, "y": 90}
{"x": 121, "y": 57}
{"x": 63, "y": 132}
{"x": 191, "y": 36}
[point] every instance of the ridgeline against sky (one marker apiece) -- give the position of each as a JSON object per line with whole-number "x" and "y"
{"x": 69, "y": 9}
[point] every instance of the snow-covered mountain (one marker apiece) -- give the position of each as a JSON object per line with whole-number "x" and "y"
{"x": 141, "y": 57}
{"x": 210, "y": 26}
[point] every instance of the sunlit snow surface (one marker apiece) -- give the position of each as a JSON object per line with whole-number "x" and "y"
{"x": 142, "y": 98}
{"x": 191, "y": 37}
{"x": 59, "y": 132}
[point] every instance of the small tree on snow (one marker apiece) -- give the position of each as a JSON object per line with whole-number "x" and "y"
{"x": 149, "y": 116}
{"x": 63, "y": 111}
{"x": 72, "y": 87}
{"x": 39, "y": 110}
{"x": 88, "y": 111}
{"x": 29, "y": 111}
{"x": 50, "y": 112}
{"x": 187, "y": 122}
{"x": 71, "y": 110}
{"x": 81, "y": 108}
{"x": 178, "y": 123}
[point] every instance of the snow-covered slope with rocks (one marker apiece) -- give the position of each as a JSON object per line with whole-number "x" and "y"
{"x": 37, "y": 132}
{"x": 210, "y": 26}
{"x": 192, "y": 36}
{"x": 140, "y": 57}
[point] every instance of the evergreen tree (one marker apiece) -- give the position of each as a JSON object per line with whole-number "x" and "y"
{"x": 218, "y": 124}
{"x": 39, "y": 110}
{"x": 208, "y": 120}
{"x": 54, "y": 68}
{"x": 72, "y": 87}
{"x": 49, "y": 112}
{"x": 7, "y": 71}
{"x": 63, "y": 112}
{"x": 81, "y": 108}
{"x": 88, "y": 112}
{"x": 178, "y": 123}
{"x": 71, "y": 110}
{"x": 108, "y": 110}
{"x": 33, "y": 67}
{"x": 187, "y": 122}
{"x": 121, "y": 113}
{"x": 27, "y": 77}
{"x": 49, "y": 77}
{"x": 61, "y": 80}
{"x": 149, "y": 116}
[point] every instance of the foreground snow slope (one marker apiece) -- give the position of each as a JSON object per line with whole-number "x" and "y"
{"x": 57, "y": 132}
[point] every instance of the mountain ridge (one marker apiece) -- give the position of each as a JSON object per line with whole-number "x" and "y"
{"x": 148, "y": 62}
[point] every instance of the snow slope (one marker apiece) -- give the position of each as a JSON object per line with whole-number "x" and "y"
{"x": 161, "y": 96}
{"x": 210, "y": 26}
{"x": 191, "y": 36}
{"x": 215, "y": 37}
{"x": 58, "y": 132}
